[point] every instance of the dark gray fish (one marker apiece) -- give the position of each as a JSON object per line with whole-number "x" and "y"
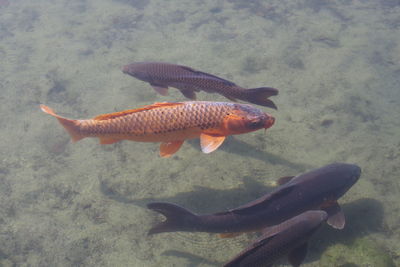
{"x": 316, "y": 189}
{"x": 189, "y": 81}
{"x": 286, "y": 239}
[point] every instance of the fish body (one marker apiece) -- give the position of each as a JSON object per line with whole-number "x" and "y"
{"x": 170, "y": 124}
{"x": 286, "y": 239}
{"x": 189, "y": 81}
{"x": 317, "y": 189}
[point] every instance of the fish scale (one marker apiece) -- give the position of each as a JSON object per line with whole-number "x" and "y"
{"x": 161, "y": 120}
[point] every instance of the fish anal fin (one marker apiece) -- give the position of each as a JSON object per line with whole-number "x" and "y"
{"x": 297, "y": 256}
{"x": 108, "y": 140}
{"x": 162, "y": 90}
{"x": 336, "y": 217}
{"x": 229, "y": 235}
{"x": 130, "y": 111}
{"x": 209, "y": 143}
{"x": 284, "y": 180}
{"x": 167, "y": 149}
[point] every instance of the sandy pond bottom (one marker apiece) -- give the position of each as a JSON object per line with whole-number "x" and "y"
{"x": 336, "y": 64}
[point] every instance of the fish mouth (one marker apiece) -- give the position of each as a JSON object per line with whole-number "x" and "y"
{"x": 125, "y": 69}
{"x": 269, "y": 122}
{"x": 356, "y": 172}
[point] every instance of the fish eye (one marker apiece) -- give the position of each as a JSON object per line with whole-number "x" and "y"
{"x": 255, "y": 123}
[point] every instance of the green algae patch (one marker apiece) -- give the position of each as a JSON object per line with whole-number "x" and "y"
{"x": 362, "y": 252}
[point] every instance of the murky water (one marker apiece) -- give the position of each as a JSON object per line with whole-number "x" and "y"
{"x": 336, "y": 64}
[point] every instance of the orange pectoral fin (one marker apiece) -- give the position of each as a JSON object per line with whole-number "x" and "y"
{"x": 209, "y": 143}
{"x": 229, "y": 235}
{"x": 169, "y": 148}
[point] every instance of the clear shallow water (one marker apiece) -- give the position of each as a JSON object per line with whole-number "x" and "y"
{"x": 336, "y": 64}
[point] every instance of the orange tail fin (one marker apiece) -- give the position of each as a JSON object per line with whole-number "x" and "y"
{"x": 72, "y": 126}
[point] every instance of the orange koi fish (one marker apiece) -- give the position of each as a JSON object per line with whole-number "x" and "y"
{"x": 170, "y": 124}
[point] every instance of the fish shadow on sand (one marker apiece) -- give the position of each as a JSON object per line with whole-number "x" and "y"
{"x": 192, "y": 259}
{"x": 363, "y": 217}
{"x": 200, "y": 199}
{"x": 234, "y": 145}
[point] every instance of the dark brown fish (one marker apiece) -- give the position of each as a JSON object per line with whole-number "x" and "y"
{"x": 288, "y": 238}
{"x": 316, "y": 189}
{"x": 189, "y": 81}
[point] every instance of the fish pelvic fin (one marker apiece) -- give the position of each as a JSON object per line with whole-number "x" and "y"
{"x": 130, "y": 111}
{"x": 167, "y": 149}
{"x": 259, "y": 96}
{"x": 177, "y": 218}
{"x": 71, "y": 126}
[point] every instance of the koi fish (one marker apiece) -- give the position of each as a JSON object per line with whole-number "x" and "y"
{"x": 288, "y": 238}
{"x": 317, "y": 189}
{"x": 189, "y": 81}
{"x": 170, "y": 124}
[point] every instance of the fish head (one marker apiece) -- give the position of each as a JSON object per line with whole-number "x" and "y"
{"x": 138, "y": 70}
{"x": 332, "y": 181}
{"x": 245, "y": 118}
{"x": 346, "y": 176}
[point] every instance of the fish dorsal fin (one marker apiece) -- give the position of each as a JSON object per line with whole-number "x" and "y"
{"x": 261, "y": 203}
{"x": 336, "y": 217}
{"x": 297, "y": 256}
{"x": 130, "y": 111}
{"x": 208, "y": 75}
{"x": 271, "y": 231}
{"x": 284, "y": 180}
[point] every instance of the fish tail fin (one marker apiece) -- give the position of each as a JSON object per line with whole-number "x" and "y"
{"x": 72, "y": 126}
{"x": 177, "y": 218}
{"x": 260, "y": 96}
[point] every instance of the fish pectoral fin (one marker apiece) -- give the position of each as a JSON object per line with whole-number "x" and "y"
{"x": 336, "y": 217}
{"x": 162, "y": 90}
{"x": 229, "y": 235}
{"x": 108, "y": 140}
{"x": 297, "y": 256}
{"x": 167, "y": 149}
{"x": 209, "y": 143}
{"x": 284, "y": 180}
